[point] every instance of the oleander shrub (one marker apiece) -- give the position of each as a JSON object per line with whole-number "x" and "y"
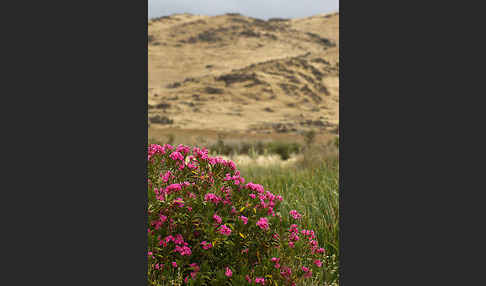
{"x": 207, "y": 226}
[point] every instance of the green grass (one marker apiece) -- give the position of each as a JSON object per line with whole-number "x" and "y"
{"x": 313, "y": 192}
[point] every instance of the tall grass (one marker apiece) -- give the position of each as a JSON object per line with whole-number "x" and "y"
{"x": 313, "y": 192}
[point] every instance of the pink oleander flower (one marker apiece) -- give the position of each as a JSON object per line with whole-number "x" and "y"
{"x": 157, "y": 224}
{"x": 305, "y": 269}
{"x": 252, "y": 196}
{"x": 150, "y": 254}
{"x": 277, "y": 266}
{"x": 174, "y": 264}
{"x": 183, "y": 149}
{"x": 295, "y": 214}
{"x": 206, "y": 245}
{"x": 260, "y": 280}
{"x": 224, "y": 230}
{"x": 189, "y": 209}
{"x": 244, "y": 250}
{"x": 293, "y": 236}
{"x": 183, "y": 250}
{"x": 291, "y": 244}
{"x": 168, "y": 146}
{"x": 255, "y": 187}
{"x": 318, "y": 263}
{"x": 181, "y": 165}
{"x": 270, "y": 211}
{"x": 178, "y": 239}
{"x": 248, "y": 278}
{"x": 176, "y": 156}
{"x": 212, "y": 197}
{"x": 244, "y": 219}
{"x": 275, "y": 259}
{"x": 226, "y": 202}
{"x": 166, "y": 176}
{"x": 217, "y": 218}
{"x": 321, "y": 250}
{"x": 172, "y": 188}
{"x": 228, "y": 272}
{"x": 308, "y": 274}
{"x": 312, "y": 235}
{"x": 163, "y": 218}
{"x": 262, "y": 223}
{"x": 286, "y": 272}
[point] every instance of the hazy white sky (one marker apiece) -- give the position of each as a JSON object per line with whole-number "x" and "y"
{"x": 263, "y": 9}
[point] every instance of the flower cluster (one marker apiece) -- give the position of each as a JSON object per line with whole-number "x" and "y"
{"x": 224, "y": 230}
{"x": 295, "y": 214}
{"x": 209, "y": 225}
{"x": 262, "y": 223}
{"x": 206, "y": 245}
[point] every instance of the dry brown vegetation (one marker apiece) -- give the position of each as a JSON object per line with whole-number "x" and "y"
{"x": 272, "y": 79}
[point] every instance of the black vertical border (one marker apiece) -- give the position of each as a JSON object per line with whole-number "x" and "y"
{"x": 77, "y": 162}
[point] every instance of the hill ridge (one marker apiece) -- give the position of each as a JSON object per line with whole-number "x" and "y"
{"x": 250, "y": 75}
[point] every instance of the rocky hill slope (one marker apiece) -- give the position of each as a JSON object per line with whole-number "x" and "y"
{"x": 244, "y": 75}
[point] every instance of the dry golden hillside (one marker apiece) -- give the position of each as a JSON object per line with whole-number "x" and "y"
{"x": 243, "y": 75}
